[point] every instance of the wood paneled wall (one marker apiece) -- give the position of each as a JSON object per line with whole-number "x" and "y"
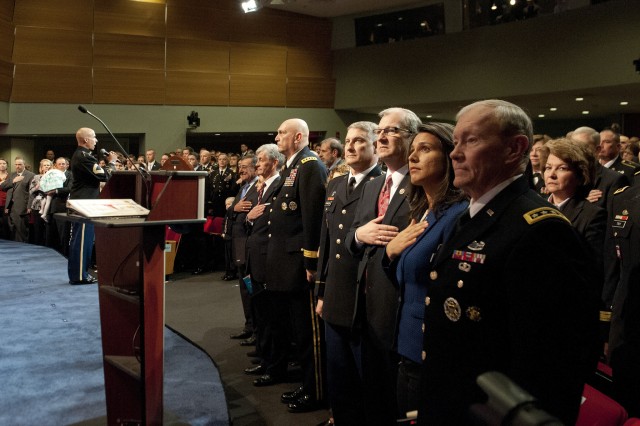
{"x": 174, "y": 52}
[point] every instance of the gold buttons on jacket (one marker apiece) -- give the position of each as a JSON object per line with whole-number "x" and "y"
{"x": 340, "y": 226}
{"x": 338, "y": 241}
{"x": 433, "y": 275}
{"x": 269, "y": 223}
{"x": 427, "y": 300}
{"x": 460, "y": 283}
{"x": 269, "y": 235}
{"x": 338, "y": 256}
{"x": 344, "y": 211}
{"x": 423, "y": 327}
{"x": 424, "y": 355}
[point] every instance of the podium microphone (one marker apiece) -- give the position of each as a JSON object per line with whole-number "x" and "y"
{"x": 104, "y": 152}
{"x": 146, "y": 178}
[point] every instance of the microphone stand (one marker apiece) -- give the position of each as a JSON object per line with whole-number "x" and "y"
{"x": 146, "y": 177}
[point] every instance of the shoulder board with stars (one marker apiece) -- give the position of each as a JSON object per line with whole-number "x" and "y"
{"x": 312, "y": 158}
{"x": 542, "y": 213}
{"x": 620, "y": 190}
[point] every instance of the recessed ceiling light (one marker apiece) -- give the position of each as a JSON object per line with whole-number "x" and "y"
{"x": 217, "y": 134}
{"x": 553, "y": 109}
{"x": 378, "y": 25}
{"x": 400, "y": 18}
{"x": 624, "y": 103}
{"x": 579, "y": 99}
{"x": 541, "y": 115}
{"x": 494, "y": 7}
{"x": 585, "y": 112}
{"x": 429, "y": 116}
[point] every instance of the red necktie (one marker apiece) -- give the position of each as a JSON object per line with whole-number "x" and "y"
{"x": 385, "y": 195}
{"x": 260, "y": 192}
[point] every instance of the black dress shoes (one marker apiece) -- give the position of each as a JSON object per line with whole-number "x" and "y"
{"x": 88, "y": 280}
{"x": 289, "y": 397}
{"x": 199, "y": 271}
{"x": 266, "y": 380}
{"x": 304, "y": 404}
{"x": 251, "y": 341}
{"x": 245, "y": 334}
{"x": 257, "y": 370}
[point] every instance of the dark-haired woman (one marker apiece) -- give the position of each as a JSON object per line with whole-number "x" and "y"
{"x": 435, "y": 205}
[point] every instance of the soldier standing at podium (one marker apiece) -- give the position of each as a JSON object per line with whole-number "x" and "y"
{"x": 87, "y": 175}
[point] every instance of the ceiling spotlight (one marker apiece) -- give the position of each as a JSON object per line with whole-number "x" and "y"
{"x": 624, "y": 103}
{"x": 429, "y": 116}
{"x": 250, "y": 6}
{"x": 553, "y": 109}
{"x": 579, "y": 99}
{"x": 494, "y": 7}
{"x": 540, "y": 115}
{"x": 585, "y": 112}
{"x": 512, "y": 2}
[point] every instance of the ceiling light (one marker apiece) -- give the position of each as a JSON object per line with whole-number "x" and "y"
{"x": 250, "y": 6}
{"x": 512, "y": 2}
{"x": 423, "y": 24}
{"x": 400, "y": 18}
{"x": 553, "y": 109}
{"x": 624, "y": 103}
{"x": 579, "y": 99}
{"x": 540, "y": 115}
{"x": 494, "y": 7}
{"x": 585, "y": 112}
{"x": 429, "y": 116}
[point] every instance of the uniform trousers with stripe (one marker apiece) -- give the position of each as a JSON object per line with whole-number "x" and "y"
{"x": 80, "y": 248}
{"x": 291, "y": 315}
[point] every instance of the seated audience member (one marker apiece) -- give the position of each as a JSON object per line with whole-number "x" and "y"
{"x": 569, "y": 172}
{"x": 435, "y": 204}
{"x": 164, "y": 158}
{"x": 610, "y": 155}
{"x": 489, "y": 306}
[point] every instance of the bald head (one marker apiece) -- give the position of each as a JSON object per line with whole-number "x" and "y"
{"x": 86, "y": 138}
{"x": 293, "y": 135}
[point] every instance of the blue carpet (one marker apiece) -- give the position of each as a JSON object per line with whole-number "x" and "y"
{"x": 51, "y": 354}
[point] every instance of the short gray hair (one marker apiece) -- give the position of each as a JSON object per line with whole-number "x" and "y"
{"x": 409, "y": 120}
{"x": 271, "y": 150}
{"x": 366, "y": 126}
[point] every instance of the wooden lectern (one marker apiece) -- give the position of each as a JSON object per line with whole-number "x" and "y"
{"x": 130, "y": 256}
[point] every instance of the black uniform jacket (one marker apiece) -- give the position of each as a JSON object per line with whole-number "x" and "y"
{"x": 296, "y": 219}
{"x": 337, "y": 268}
{"x": 622, "y": 289}
{"x": 608, "y": 181}
{"x": 87, "y": 175}
{"x": 223, "y": 185}
{"x": 590, "y": 221}
{"x": 238, "y": 229}
{"x": 512, "y": 290}
{"x": 258, "y": 239}
{"x": 381, "y": 293}
{"x": 627, "y": 168}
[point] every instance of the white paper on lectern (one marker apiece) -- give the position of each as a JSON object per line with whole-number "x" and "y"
{"x": 106, "y": 208}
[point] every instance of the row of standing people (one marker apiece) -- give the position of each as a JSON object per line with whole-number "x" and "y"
{"x": 420, "y": 290}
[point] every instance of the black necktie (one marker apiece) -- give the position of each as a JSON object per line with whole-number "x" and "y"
{"x": 260, "y": 192}
{"x": 352, "y": 184}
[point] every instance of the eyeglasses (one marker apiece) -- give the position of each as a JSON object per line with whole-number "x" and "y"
{"x": 391, "y": 131}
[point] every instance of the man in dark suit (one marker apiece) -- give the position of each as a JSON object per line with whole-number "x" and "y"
{"x": 606, "y": 181}
{"x": 383, "y": 211}
{"x": 337, "y": 276}
{"x": 151, "y": 163}
{"x": 58, "y": 230}
{"x": 17, "y": 187}
{"x": 610, "y": 155}
{"x": 292, "y": 255}
{"x": 490, "y": 304}
{"x": 237, "y": 215}
{"x": 257, "y": 223}
{"x": 623, "y": 296}
{"x": 87, "y": 176}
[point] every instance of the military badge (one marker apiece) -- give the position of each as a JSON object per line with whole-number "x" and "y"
{"x": 452, "y": 309}
{"x": 620, "y": 220}
{"x": 293, "y": 205}
{"x": 473, "y": 313}
{"x": 401, "y": 191}
{"x": 464, "y": 266}
{"x": 476, "y": 245}
{"x": 284, "y": 206}
{"x": 469, "y": 256}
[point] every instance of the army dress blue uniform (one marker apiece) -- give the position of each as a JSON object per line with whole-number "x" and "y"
{"x": 622, "y": 295}
{"x": 336, "y": 282}
{"x": 295, "y": 217}
{"x": 513, "y": 290}
{"x": 87, "y": 175}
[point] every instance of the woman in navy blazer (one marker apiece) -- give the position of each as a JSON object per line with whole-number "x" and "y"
{"x": 435, "y": 204}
